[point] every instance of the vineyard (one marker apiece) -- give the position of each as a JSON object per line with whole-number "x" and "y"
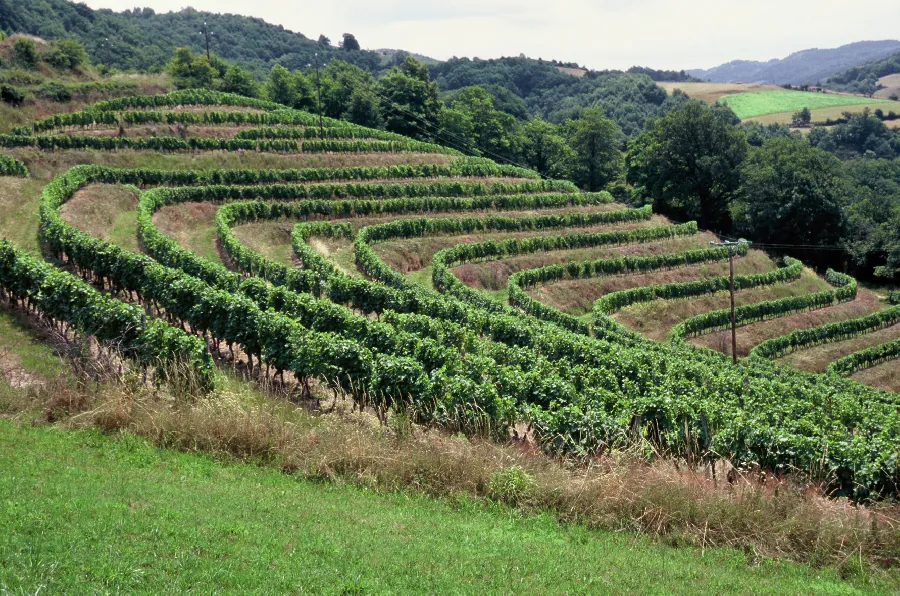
{"x": 465, "y": 293}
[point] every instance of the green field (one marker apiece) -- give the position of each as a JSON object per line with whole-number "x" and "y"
{"x": 760, "y": 103}
{"x": 83, "y": 512}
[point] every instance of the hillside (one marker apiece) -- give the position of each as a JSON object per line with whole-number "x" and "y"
{"x": 806, "y": 66}
{"x": 549, "y": 90}
{"x": 142, "y": 39}
{"x": 876, "y": 78}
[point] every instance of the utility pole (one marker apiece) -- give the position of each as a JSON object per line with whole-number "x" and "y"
{"x": 206, "y": 35}
{"x": 319, "y": 100}
{"x": 731, "y": 246}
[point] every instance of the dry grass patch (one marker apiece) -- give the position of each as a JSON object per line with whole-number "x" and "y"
{"x": 711, "y": 92}
{"x": 891, "y": 84}
{"x": 655, "y": 319}
{"x": 105, "y": 211}
{"x": 884, "y": 376}
{"x": 192, "y": 226}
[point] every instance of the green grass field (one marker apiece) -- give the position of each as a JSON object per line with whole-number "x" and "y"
{"x": 760, "y": 103}
{"x": 86, "y": 512}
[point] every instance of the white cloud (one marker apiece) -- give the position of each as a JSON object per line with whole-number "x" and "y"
{"x": 600, "y": 34}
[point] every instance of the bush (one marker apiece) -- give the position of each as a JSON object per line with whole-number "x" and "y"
{"x": 25, "y": 52}
{"x": 55, "y": 92}
{"x": 11, "y": 95}
{"x": 511, "y": 486}
{"x": 67, "y": 54}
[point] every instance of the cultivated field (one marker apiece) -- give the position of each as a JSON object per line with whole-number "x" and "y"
{"x": 418, "y": 285}
{"x": 761, "y": 103}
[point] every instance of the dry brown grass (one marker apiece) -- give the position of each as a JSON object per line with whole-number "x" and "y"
{"x": 192, "y": 226}
{"x": 749, "y": 336}
{"x": 677, "y": 503}
{"x": 891, "y": 84}
{"x": 711, "y": 92}
{"x": 106, "y": 211}
{"x": 884, "y": 376}
{"x": 577, "y": 296}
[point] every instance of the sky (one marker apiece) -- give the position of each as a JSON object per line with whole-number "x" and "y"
{"x": 599, "y": 34}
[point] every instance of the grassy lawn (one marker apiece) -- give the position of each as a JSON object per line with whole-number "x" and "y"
{"x": 759, "y": 103}
{"x": 86, "y": 512}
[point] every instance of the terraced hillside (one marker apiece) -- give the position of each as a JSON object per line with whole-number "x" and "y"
{"x": 347, "y": 262}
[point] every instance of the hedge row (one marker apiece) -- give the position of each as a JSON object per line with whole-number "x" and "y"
{"x": 802, "y": 339}
{"x": 614, "y": 301}
{"x": 444, "y": 260}
{"x": 48, "y": 143}
{"x": 348, "y": 131}
{"x": 62, "y": 297}
{"x": 867, "y": 358}
{"x": 845, "y": 290}
{"x": 10, "y": 166}
{"x": 595, "y": 268}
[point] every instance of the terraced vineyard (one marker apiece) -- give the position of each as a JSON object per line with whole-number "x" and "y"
{"x": 406, "y": 276}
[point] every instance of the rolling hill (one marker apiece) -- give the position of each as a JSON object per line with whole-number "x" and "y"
{"x": 806, "y": 66}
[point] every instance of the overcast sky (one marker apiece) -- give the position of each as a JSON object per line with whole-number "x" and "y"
{"x": 600, "y": 34}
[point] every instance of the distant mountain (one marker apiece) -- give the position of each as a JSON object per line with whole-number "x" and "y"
{"x": 807, "y": 66}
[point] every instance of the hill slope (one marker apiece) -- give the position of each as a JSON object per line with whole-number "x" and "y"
{"x": 142, "y": 39}
{"x": 867, "y": 78}
{"x": 806, "y": 66}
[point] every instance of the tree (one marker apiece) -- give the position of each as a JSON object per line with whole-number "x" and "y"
{"x": 410, "y": 99}
{"x": 791, "y": 194}
{"x": 688, "y": 163}
{"x": 545, "y": 149}
{"x": 493, "y": 132}
{"x": 191, "y": 72}
{"x": 801, "y": 119}
{"x": 324, "y": 41}
{"x": 595, "y": 141}
{"x": 349, "y": 43}
{"x": 237, "y": 80}
{"x": 281, "y": 86}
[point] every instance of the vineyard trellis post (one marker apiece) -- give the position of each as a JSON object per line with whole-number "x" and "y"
{"x": 731, "y": 246}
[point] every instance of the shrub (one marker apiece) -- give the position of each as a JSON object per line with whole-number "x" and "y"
{"x": 512, "y": 486}
{"x": 11, "y": 95}
{"x": 67, "y": 54}
{"x": 55, "y": 92}
{"x": 25, "y": 52}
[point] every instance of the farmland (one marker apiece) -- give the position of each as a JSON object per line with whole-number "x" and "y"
{"x": 768, "y": 104}
{"x": 420, "y": 284}
{"x": 761, "y": 103}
